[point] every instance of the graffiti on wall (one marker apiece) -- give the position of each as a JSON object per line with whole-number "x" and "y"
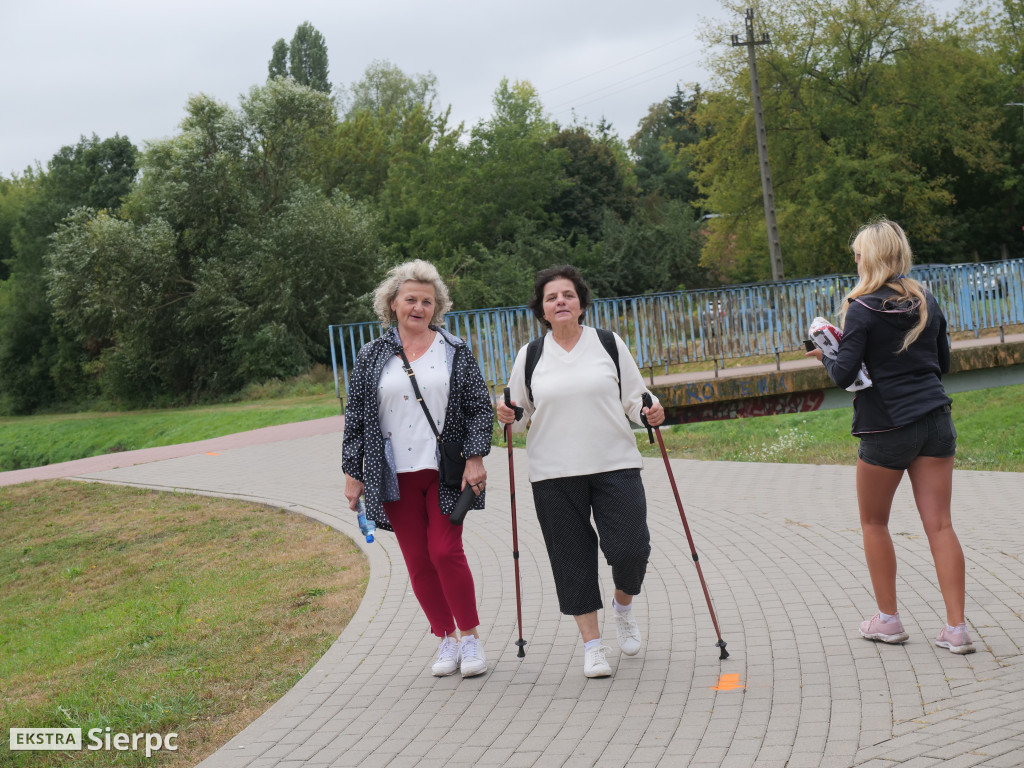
{"x": 729, "y": 389}
{"x": 796, "y": 402}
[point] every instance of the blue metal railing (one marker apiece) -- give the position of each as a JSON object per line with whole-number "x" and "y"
{"x": 665, "y": 329}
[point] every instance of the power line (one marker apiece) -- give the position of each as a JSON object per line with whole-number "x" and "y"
{"x": 600, "y": 92}
{"x": 610, "y": 93}
{"x": 612, "y": 66}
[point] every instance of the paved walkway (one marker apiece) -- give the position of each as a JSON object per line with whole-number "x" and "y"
{"x": 780, "y": 549}
{"x": 331, "y": 424}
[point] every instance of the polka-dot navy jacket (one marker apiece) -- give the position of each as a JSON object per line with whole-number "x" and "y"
{"x": 468, "y": 420}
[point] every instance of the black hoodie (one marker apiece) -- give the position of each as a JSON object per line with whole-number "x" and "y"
{"x": 907, "y": 384}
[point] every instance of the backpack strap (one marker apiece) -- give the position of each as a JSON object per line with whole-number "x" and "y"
{"x": 533, "y": 352}
{"x": 536, "y": 347}
{"x": 608, "y": 342}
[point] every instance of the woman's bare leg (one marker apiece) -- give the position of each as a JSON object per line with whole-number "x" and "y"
{"x": 587, "y": 624}
{"x": 932, "y": 480}
{"x": 876, "y": 487}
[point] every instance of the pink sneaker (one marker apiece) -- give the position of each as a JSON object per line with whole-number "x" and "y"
{"x": 957, "y": 639}
{"x": 887, "y": 631}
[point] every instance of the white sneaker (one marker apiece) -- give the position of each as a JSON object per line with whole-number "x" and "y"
{"x": 472, "y": 652}
{"x": 594, "y": 662}
{"x": 447, "y": 657}
{"x": 628, "y": 632}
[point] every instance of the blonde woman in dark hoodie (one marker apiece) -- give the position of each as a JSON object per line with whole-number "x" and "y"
{"x": 904, "y": 422}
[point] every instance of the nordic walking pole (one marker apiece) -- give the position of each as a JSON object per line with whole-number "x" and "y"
{"x": 651, "y": 431}
{"x": 515, "y": 537}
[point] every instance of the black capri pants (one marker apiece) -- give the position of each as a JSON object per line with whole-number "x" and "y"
{"x": 620, "y": 512}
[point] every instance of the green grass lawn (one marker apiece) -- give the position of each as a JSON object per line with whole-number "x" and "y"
{"x": 159, "y": 613}
{"x": 35, "y": 441}
{"x": 989, "y": 423}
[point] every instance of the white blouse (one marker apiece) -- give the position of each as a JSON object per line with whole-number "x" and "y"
{"x": 401, "y": 417}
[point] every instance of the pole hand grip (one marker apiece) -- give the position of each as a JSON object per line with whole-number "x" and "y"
{"x": 508, "y": 404}
{"x": 648, "y": 401}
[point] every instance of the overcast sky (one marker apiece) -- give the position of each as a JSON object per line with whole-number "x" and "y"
{"x": 78, "y": 67}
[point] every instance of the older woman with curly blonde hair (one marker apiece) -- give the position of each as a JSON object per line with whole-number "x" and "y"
{"x": 391, "y": 452}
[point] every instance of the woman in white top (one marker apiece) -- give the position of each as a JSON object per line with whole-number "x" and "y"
{"x": 390, "y": 452}
{"x": 583, "y": 458}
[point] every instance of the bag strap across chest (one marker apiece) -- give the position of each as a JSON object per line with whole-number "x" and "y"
{"x": 416, "y": 389}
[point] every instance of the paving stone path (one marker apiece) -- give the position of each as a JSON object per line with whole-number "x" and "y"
{"x": 780, "y": 550}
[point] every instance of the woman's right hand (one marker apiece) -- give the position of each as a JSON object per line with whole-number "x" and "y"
{"x": 505, "y": 414}
{"x": 353, "y": 490}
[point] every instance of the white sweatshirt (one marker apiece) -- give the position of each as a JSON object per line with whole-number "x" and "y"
{"x": 577, "y": 421}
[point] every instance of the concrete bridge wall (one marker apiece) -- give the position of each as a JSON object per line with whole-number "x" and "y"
{"x": 803, "y": 385}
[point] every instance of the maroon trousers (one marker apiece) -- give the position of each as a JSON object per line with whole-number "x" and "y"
{"x": 432, "y": 548}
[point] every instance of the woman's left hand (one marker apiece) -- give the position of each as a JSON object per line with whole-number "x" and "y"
{"x": 655, "y": 414}
{"x": 815, "y": 353}
{"x": 475, "y": 475}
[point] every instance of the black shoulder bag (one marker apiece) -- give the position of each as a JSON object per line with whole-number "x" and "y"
{"x": 453, "y": 463}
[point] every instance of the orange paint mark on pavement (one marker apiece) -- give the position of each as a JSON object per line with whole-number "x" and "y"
{"x": 212, "y": 453}
{"x": 729, "y": 682}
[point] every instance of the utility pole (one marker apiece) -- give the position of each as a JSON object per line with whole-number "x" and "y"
{"x": 774, "y": 247}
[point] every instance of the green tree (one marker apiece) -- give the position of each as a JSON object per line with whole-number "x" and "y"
{"x": 236, "y": 255}
{"x": 14, "y": 197}
{"x": 307, "y": 58}
{"x": 285, "y": 127}
{"x": 663, "y": 148}
{"x": 657, "y": 250}
{"x": 109, "y": 282}
{"x": 40, "y": 363}
{"x": 466, "y": 204}
{"x": 502, "y": 275}
{"x": 512, "y": 172}
{"x": 278, "y": 64}
{"x": 92, "y": 173}
{"x": 385, "y": 89}
{"x": 389, "y": 117}
{"x": 307, "y": 268}
{"x": 991, "y": 203}
{"x": 597, "y": 185}
{"x": 871, "y": 108}
{"x": 417, "y": 199}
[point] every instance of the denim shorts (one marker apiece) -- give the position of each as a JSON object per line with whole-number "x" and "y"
{"x": 933, "y": 435}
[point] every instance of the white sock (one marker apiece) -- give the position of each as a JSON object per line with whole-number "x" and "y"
{"x": 621, "y": 608}
{"x": 592, "y": 644}
{"x": 887, "y": 617}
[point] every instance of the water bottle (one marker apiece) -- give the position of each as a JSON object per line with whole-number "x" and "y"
{"x": 366, "y": 525}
